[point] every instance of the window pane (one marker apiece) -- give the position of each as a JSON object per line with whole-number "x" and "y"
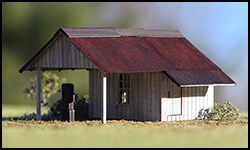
{"x": 121, "y": 92}
{"x": 120, "y": 102}
{"x": 128, "y": 84}
{"x": 124, "y": 91}
{"x": 128, "y": 77}
{"x": 120, "y": 77}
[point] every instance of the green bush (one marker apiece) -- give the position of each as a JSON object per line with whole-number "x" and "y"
{"x": 223, "y": 112}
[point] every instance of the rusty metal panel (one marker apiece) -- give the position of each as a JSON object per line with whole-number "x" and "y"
{"x": 200, "y": 77}
{"x": 181, "y": 54}
{"x": 123, "y": 54}
{"x": 178, "y": 57}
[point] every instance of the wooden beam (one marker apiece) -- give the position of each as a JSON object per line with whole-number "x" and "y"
{"x": 38, "y": 93}
{"x": 104, "y": 99}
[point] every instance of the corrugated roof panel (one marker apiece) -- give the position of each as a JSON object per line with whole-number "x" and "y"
{"x": 181, "y": 54}
{"x": 90, "y": 32}
{"x": 164, "y": 33}
{"x": 124, "y": 54}
{"x": 200, "y": 77}
{"x": 133, "y": 32}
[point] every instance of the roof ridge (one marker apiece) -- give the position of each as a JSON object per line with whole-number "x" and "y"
{"x": 118, "y": 32}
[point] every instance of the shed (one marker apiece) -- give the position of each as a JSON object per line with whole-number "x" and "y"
{"x": 134, "y": 74}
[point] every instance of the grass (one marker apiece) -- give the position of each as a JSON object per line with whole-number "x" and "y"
{"x": 122, "y": 133}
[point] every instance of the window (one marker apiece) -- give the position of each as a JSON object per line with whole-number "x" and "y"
{"x": 124, "y": 89}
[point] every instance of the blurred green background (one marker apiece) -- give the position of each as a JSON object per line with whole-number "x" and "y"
{"x": 219, "y": 30}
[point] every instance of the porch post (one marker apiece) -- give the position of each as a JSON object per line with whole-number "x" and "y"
{"x": 38, "y": 94}
{"x": 104, "y": 99}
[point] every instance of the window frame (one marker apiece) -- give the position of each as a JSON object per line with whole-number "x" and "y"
{"x": 124, "y": 88}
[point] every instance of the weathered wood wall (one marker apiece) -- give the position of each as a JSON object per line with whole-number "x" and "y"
{"x": 95, "y": 93}
{"x": 184, "y": 103}
{"x": 63, "y": 54}
{"x": 145, "y": 96}
{"x": 153, "y": 97}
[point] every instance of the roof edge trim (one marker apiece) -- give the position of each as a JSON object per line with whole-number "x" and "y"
{"x": 199, "y": 85}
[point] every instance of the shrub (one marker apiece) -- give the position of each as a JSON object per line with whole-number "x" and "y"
{"x": 223, "y": 112}
{"x": 81, "y": 110}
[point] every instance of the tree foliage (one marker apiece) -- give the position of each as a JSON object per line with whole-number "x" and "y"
{"x": 50, "y": 84}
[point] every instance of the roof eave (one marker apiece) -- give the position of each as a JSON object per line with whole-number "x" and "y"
{"x": 217, "y": 84}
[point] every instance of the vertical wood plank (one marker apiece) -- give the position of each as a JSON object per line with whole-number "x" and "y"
{"x": 164, "y": 105}
{"x": 203, "y": 97}
{"x": 135, "y": 95}
{"x": 73, "y": 56}
{"x": 154, "y": 92}
{"x": 43, "y": 61}
{"x": 189, "y": 103}
{"x": 59, "y": 47}
{"x": 51, "y": 56}
{"x": 55, "y": 56}
{"x": 64, "y": 53}
{"x": 38, "y": 94}
{"x": 116, "y": 94}
{"x": 69, "y": 54}
{"x": 206, "y": 99}
{"x": 211, "y": 98}
{"x": 184, "y": 103}
{"x": 181, "y": 103}
{"x": 140, "y": 97}
{"x": 144, "y": 95}
{"x": 81, "y": 60}
{"x": 109, "y": 95}
{"x": 95, "y": 94}
{"x": 90, "y": 93}
{"x": 86, "y": 62}
{"x": 159, "y": 96}
{"x": 148, "y": 95}
{"x": 100, "y": 93}
{"x": 198, "y": 99}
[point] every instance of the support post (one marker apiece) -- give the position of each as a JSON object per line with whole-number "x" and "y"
{"x": 38, "y": 94}
{"x": 104, "y": 99}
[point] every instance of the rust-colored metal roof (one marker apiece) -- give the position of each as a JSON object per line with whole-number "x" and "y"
{"x": 138, "y": 50}
{"x": 123, "y": 54}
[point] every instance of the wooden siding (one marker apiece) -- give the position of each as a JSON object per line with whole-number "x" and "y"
{"x": 154, "y": 97}
{"x": 95, "y": 93}
{"x": 145, "y": 96}
{"x": 184, "y": 103}
{"x": 63, "y": 54}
